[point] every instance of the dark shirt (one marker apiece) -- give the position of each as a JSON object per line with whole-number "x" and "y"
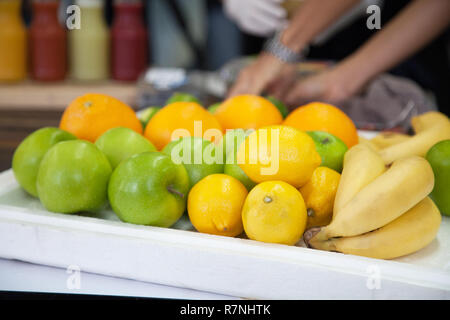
{"x": 430, "y": 67}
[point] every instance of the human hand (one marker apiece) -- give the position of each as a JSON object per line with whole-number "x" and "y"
{"x": 257, "y": 76}
{"x": 332, "y": 86}
{"x": 281, "y": 84}
{"x": 258, "y": 17}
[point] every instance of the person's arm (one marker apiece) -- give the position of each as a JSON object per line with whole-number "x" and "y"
{"x": 257, "y": 17}
{"x": 311, "y": 19}
{"x": 411, "y": 30}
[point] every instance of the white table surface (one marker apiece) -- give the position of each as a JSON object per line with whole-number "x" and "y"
{"x": 22, "y": 276}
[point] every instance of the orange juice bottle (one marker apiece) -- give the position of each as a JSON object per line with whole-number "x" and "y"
{"x": 13, "y": 60}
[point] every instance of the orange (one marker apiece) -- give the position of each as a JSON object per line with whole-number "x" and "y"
{"x": 247, "y": 112}
{"x": 181, "y": 119}
{"x": 215, "y": 204}
{"x": 90, "y": 115}
{"x": 324, "y": 117}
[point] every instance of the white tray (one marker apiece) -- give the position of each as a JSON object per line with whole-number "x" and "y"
{"x": 234, "y": 266}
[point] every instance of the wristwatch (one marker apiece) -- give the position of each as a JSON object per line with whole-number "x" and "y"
{"x": 274, "y": 46}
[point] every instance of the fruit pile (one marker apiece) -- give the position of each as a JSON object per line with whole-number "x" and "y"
{"x": 245, "y": 166}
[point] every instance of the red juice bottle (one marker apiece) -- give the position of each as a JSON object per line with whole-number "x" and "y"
{"x": 48, "y": 48}
{"x": 129, "y": 54}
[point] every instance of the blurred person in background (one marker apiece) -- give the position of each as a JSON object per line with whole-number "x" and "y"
{"x": 185, "y": 34}
{"x": 195, "y": 34}
{"x": 412, "y": 42}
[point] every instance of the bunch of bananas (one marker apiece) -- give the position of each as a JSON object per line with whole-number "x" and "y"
{"x": 429, "y": 129}
{"x": 382, "y": 209}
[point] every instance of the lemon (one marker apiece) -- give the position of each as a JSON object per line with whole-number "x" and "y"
{"x": 275, "y": 212}
{"x": 215, "y": 205}
{"x": 279, "y": 153}
{"x": 319, "y": 194}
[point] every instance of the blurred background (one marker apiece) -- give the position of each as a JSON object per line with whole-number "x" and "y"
{"x": 190, "y": 45}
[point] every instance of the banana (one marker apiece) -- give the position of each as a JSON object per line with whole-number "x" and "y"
{"x": 427, "y": 120}
{"x": 391, "y": 194}
{"x": 361, "y": 166}
{"x": 420, "y": 143}
{"x": 387, "y": 139}
{"x": 368, "y": 142}
{"x": 410, "y": 232}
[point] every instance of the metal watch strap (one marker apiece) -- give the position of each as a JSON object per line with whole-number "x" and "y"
{"x": 276, "y": 48}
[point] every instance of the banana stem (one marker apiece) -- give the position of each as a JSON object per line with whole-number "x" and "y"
{"x": 309, "y": 234}
{"x": 315, "y": 238}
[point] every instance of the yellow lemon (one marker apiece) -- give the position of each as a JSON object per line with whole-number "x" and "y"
{"x": 319, "y": 194}
{"x": 279, "y": 153}
{"x": 215, "y": 205}
{"x": 275, "y": 212}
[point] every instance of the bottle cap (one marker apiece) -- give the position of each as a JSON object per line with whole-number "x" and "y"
{"x": 90, "y": 3}
{"x": 127, "y": 1}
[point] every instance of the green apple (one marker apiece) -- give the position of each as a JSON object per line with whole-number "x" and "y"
{"x": 28, "y": 155}
{"x": 230, "y": 145}
{"x": 149, "y": 189}
{"x": 232, "y": 140}
{"x": 198, "y": 155}
{"x": 439, "y": 158}
{"x": 121, "y": 143}
{"x": 233, "y": 169}
{"x": 73, "y": 177}
{"x": 182, "y": 97}
{"x": 212, "y": 108}
{"x": 330, "y": 148}
{"x": 280, "y": 106}
{"x": 146, "y": 114}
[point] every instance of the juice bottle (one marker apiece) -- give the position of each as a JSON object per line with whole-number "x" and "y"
{"x": 89, "y": 45}
{"x": 129, "y": 41}
{"x": 13, "y": 59}
{"x": 47, "y": 42}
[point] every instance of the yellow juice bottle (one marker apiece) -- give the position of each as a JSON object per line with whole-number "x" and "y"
{"x": 89, "y": 45}
{"x": 13, "y": 42}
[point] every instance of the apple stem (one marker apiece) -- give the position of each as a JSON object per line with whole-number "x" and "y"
{"x": 171, "y": 190}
